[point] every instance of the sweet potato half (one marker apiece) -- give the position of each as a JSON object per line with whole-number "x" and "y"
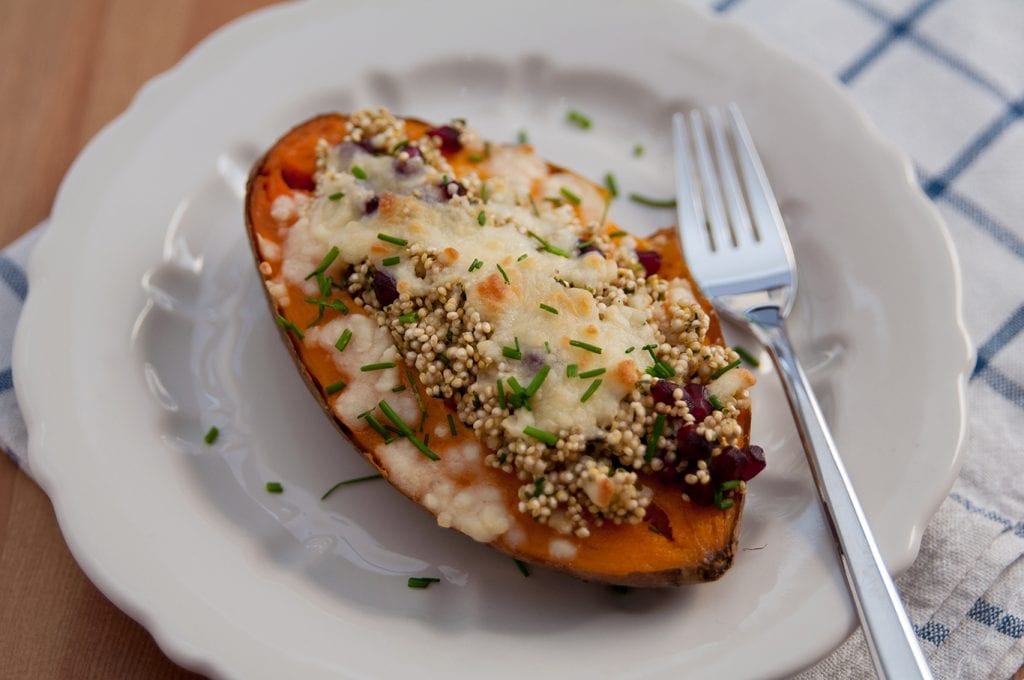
{"x": 678, "y": 542}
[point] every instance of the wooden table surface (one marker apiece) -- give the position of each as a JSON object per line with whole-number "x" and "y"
{"x": 67, "y": 67}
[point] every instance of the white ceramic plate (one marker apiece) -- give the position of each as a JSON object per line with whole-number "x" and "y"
{"x": 144, "y": 326}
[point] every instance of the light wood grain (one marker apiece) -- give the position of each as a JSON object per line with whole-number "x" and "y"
{"x": 67, "y": 67}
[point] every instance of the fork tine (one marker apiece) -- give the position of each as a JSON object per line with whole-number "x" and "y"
{"x": 742, "y": 228}
{"x": 719, "y": 224}
{"x": 689, "y": 208}
{"x": 767, "y": 218}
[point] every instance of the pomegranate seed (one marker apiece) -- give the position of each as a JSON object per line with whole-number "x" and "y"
{"x": 754, "y": 462}
{"x": 691, "y": 446}
{"x": 728, "y": 465}
{"x": 372, "y": 204}
{"x": 449, "y": 138}
{"x": 662, "y": 392}
{"x": 384, "y": 287}
{"x": 651, "y": 261}
{"x": 696, "y": 397}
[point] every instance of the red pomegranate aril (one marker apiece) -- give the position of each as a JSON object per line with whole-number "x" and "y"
{"x": 755, "y": 462}
{"x": 449, "y": 137}
{"x": 728, "y": 465}
{"x": 384, "y": 288}
{"x": 650, "y": 259}
{"x": 662, "y": 392}
{"x": 691, "y": 446}
{"x": 696, "y": 397}
{"x": 372, "y": 204}
{"x": 297, "y": 179}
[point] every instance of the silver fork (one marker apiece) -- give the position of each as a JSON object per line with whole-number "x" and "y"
{"x": 739, "y": 252}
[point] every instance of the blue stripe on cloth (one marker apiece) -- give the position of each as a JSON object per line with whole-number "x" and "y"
{"x": 1004, "y": 236}
{"x": 1011, "y": 625}
{"x": 724, "y": 5}
{"x": 936, "y": 51}
{"x": 932, "y": 632}
{"x": 1000, "y": 339}
{"x": 970, "y": 506}
{"x": 938, "y": 185}
{"x": 6, "y": 380}
{"x": 897, "y": 29}
{"x": 1010, "y": 389}
{"x": 986, "y": 613}
{"x": 13, "y": 276}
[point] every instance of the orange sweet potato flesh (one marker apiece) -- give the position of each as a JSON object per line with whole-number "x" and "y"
{"x": 678, "y": 543}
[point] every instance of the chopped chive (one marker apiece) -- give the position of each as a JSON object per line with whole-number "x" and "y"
{"x": 451, "y": 425}
{"x": 638, "y": 150}
{"x": 715, "y": 402}
{"x": 476, "y": 264}
{"x": 211, "y": 435}
{"x": 656, "y": 430}
{"x": 391, "y": 261}
{"x": 538, "y": 486}
{"x": 725, "y": 369}
{"x": 544, "y": 245}
{"x": 512, "y": 352}
{"x": 611, "y": 185}
{"x": 422, "y": 581}
{"x": 409, "y": 317}
{"x": 398, "y": 388}
{"x": 578, "y": 119}
{"x": 522, "y": 137}
{"x": 522, "y": 568}
{"x": 501, "y": 396}
{"x": 533, "y": 206}
{"x": 343, "y": 339}
{"x": 592, "y": 373}
{"x": 336, "y": 305}
{"x": 377, "y": 367}
{"x": 746, "y": 356}
{"x": 648, "y": 348}
{"x": 426, "y": 439}
{"x": 548, "y": 308}
{"x": 358, "y": 172}
{"x": 573, "y": 198}
{"x": 329, "y": 258}
{"x": 618, "y": 233}
{"x": 324, "y": 283}
{"x": 514, "y": 384}
{"x": 416, "y": 393}
{"x": 349, "y": 482}
{"x": 401, "y": 145}
{"x": 386, "y": 409}
{"x": 538, "y": 380}
{"x": 393, "y": 239}
{"x": 541, "y": 435}
{"x": 522, "y": 257}
{"x": 730, "y": 485}
{"x": 547, "y": 346}
{"x": 336, "y": 196}
{"x": 585, "y": 244}
{"x": 571, "y": 370}
{"x": 335, "y": 387}
{"x": 590, "y": 391}
{"x": 724, "y": 503}
{"x": 604, "y": 212}
{"x": 553, "y": 200}
{"x": 585, "y": 345}
{"x": 481, "y": 218}
{"x": 477, "y": 157}
{"x": 375, "y": 424}
{"x": 289, "y": 326}
{"x": 503, "y": 274}
{"x": 485, "y": 192}
{"x": 274, "y": 487}
{"x": 652, "y": 202}
{"x": 630, "y": 349}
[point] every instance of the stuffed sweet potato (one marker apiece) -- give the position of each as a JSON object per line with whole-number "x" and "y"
{"x": 524, "y": 370}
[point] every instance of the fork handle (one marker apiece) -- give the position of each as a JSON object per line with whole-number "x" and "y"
{"x": 887, "y": 629}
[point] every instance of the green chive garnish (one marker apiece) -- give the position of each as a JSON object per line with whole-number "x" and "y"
{"x": 398, "y": 388}
{"x": 514, "y": 384}
{"x": 746, "y": 356}
{"x": 715, "y": 402}
{"x": 375, "y": 424}
{"x": 544, "y": 245}
{"x": 724, "y": 504}
{"x": 618, "y": 233}
{"x": 547, "y": 346}
{"x": 537, "y": 381}
{"x": 630, "y": 349}
{"x": 512, "y": 352}
{"x": 538, "y": 486}
{"x": 393, "y": 239}
{"x": 481, "y": 218}
{"x": 377, "y": 367}
{"x": 211, "y": 435}
{"x": 585, "y": 345}
{"x": 485, "y": 192}
{"x": 401, "y": 145}
{"x": 522, "y": 257}
{"x": 451, "y": 425}
{"x": 652, "y": 443}
{"x": 329, "y": 258}
{"x": 409, "y": 317}
{"x": 349, "y": 482}
{"x": 522, "y": 138}
{"x": 578, "y": 119}
{"x": 522, "y": 568}
{"x": 391, "y": 261}
{"x": 593, "y": 373}
{"x": 730, "y": 485}
{"x": 503, "y": 274}
{"x": 343, "y": 339}
{"x": 541, "y": 435}
{"x": 573, "y": 198}
{"x": 358, "y": 172}
{"x": 638, "y": 150}
{"x": 289, "y": 326}
{"x": 386, "y": 409}
{"x": 274, "y": 487}
{"x": 422, "y": 582}
{"x": 336, "y": 196}
{"x": 590, "y": 391}
{"x": 571, "y": 371}
{"x": 653, "y": 202}
{"x": 611, "y": 185}
{"x": 648, "y": 348}
{"x": 725, "y": 369}
{"x": 501, "y": 396}
{"x": 476, "y": 264}
{"x": 335, "y": 387}
{"x": 548, "y": 308}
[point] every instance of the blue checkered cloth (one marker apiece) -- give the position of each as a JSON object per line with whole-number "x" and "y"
{"x": 944, "y": 79}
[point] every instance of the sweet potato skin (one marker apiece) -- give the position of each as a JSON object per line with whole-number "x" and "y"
{"x": 703, "y": 540}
